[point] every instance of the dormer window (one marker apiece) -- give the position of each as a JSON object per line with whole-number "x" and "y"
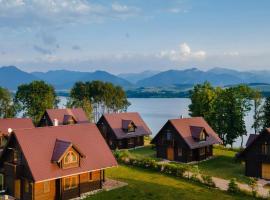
{"x": 69, "y": 119}
{"x": 199, "y": 134}
{"x": 66, "y": 154}
{"x": 128, "y": 126}
{"x": 70, "y": 158}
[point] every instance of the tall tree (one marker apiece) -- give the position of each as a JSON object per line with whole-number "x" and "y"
{"x": 34, "y": 98}
{"x": 257, "y": 116}
{"x": 266, "y": 113}
{"x": 103, "y": 97}
{"x": 202, "y": 99}
{"x": 7, "y": 108}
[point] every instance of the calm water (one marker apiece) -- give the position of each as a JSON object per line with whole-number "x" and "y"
{"x": 156, "y": 111}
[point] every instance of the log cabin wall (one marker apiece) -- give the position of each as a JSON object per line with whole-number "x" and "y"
{"x": 181, "y": 151}
{"x": 254, "y": 157}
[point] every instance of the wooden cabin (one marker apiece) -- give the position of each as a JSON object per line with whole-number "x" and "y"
{"x": 123, "y": 130}
{"x": 9, "y": 124}
{"x": 55, "y": 117}
{"x": 185, "y": 140}
{"x": 51, "y": 163}
{"x": 257, "y": 155}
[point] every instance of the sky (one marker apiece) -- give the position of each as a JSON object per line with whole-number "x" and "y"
{"x": 126, "y": 36}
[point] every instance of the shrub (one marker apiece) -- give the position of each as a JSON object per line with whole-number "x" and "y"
{"x": 208, "y": 180}
{"x": 233, "y": 187}
{"x": 254, "y": 186}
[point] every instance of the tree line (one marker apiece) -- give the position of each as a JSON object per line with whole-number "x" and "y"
{"x": 31, "y": 100}
{"x": 225, "y": 109}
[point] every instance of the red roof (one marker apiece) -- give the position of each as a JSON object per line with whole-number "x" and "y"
{"x": 14, "y": 123}
{"x": 38, "y": 147}
{"x": 115, "y": 120}
{"x": 63, "y": 115}
{"x": 187, "y": 128}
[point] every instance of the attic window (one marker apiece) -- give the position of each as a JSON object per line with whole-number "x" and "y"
{"x": 202, "y": 136}
{"x": 70, "y": 158}
{"x": 128, "y": 126}
{"x": 265, "y": 149}
{"x": 69, "y": 119}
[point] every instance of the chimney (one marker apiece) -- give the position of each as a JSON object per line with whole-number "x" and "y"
{"x": 55, "y": 122}
{"x": 9, "y": 131}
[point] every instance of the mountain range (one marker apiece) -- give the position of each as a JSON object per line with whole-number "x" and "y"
{"x": 11, "y": 77}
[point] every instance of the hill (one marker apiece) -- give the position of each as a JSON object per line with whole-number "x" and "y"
{"x": 11, "y": 77}
{"x": 135, "y": 77}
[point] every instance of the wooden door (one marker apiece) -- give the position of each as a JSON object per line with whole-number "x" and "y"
{"x": 266, "y": 171}
{"x": 170, "y": 153}
{"x": 18, "y": 189}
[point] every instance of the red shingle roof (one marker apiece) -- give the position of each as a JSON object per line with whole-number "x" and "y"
{"x": 115, "y": 120}
{"x": 62, "y": 115}
{"x": 14, "y": 123}
{"x": 38, "y": 146}
{"x": 185, "y": 130}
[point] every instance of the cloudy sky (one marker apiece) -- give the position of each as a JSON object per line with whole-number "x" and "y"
{"x": 134, "y": 35}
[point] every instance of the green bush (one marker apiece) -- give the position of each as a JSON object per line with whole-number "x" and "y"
{"x": 254, "y": 186}
{"x": 233, "y": 187}
{"x": 208, "y": 180}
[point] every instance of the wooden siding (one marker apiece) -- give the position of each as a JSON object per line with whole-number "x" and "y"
{"x": 254, "y": 158}
{"x": 41, "y": 194}
{"x": 177, "y": 142}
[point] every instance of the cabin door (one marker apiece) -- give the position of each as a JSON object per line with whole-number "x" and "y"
{"x": 170, "y": 153}
{"x": 266, "y": 171}
{"x": 18, "y": 189}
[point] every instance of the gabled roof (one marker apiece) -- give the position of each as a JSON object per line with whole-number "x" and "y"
{"x": 187, "y": 128}
{"x": 115, "y": 121}
{"x": 38, "y": 147}
{"x": 251, "y": 140}
{"x": 60, "y": 149}
{"x": 62, "y": 115}
{"x": 14, "y": 123}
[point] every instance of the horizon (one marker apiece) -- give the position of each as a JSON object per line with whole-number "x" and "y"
{"x": 134, "y": 36}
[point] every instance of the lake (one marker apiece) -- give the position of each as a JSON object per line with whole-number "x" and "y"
{"x": 156, "y": 111}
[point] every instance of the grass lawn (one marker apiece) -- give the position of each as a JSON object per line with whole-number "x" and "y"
{"x": 144, "y": 184}
{"x": 223, "y": 165}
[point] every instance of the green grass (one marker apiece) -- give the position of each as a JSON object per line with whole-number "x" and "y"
{"x": 146, "y": 185}
{"x": 223, "y": 165}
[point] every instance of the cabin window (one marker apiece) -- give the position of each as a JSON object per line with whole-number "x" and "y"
{"x": 130, "y": 141}
{"x": 202, "y": 136}
{"x": 90, "y": 176}
{"x": 169, "y": 136}
{"x": 202, "y": 151}
{"x": 120, "y": 142}
{"x": 3, "y": 141}
{"x": 46, "y": 187}
{"x": 1, "y": 182}
{"x": 70, "y": 158}
{"x": 266, "y": 149}
{"x": 15, "y": 156}
{"x": 70, "y": 182}
{"x": 26, "y": 186}
{"x": 180, "y": 152}
{"x": 131, "y": 128}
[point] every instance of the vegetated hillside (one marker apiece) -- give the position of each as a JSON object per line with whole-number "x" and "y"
{"x": 64, "y": 79}
{"x": 189, "y": 76}
{"x": 11, "y": 77}
{"x": 135, "y": 77}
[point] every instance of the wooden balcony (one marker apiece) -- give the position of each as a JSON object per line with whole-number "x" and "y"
{"x": 14, "y": 170}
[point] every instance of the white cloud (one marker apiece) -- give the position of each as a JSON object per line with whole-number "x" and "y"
{"x": 32, "y": 13}
{"x": 184, "y": 53}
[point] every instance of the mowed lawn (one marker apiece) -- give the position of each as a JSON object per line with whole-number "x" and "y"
{"x": 223, "y": 165}
{"x": 146, "y": 185}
